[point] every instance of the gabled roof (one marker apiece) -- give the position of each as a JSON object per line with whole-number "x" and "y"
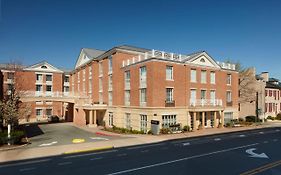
{"x": 87, "y": 55}
{"x": 43, "y": 66}
{"x": 202, "y": 58}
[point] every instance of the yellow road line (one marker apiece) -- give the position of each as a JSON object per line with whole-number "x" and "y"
{"x": 88, "y": 150}
{"x": 262, "y": 168}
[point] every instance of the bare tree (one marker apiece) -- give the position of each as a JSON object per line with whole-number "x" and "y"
{"x": 247, "y": 82}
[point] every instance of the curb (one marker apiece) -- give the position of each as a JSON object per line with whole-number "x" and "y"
{"x": 16, "y": 147}
{"x": 89, "y": 150}
{"x": 105, "y": 134}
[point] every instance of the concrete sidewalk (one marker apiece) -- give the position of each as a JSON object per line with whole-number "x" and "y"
{"x": 28, "y": 153}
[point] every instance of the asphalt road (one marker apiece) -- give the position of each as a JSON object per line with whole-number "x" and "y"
{"x": 42, "y": 135}
{"x": 224, "y": 154}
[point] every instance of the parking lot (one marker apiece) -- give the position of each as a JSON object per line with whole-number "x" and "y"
{"x": 41, "y": 135}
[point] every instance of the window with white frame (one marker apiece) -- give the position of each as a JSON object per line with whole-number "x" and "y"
{"x": 213, "y": 77}
{"x": 100, "y": 84}
{"x": 228, "y": 79}
{"x": 127, "y": 79}
{"x": 90, "y": 86}
{"x": 127, "y": 97}
{"x": 193, "y": 75}
{"x": 84, "y": 87}
{"x": 168, "y": 120}
{"x": 110, "y": 119}
{"x": 110, "y": 98}
{"x": 169, "y": 72}
{"x": 213, "y": 94}
{"x": 110, "y": 82}
{"x": 169, "y": 94}
{"x": 143, "y": 123}
{"x": 39, "y": 112}
{"x": 203, "y": 76}
{"x": 193, "y": 94}
{"x": 66, "y": 89}
{"x": 49, "y": 112}
{"x": 49, "y": 88}
{"x": 128, "y": 120}
{"x": 143, "y": 76}
{"x": 203, "y": 94}
{"x": 39, "y": 77}
{"x": 49, "y": 78}
{"x": 66, "y": 79}
{"x": 228, "y": 96}
{"x": 39, "y": 88}
{"x": 110, "y": 64}
{"x": 100, "y": 69}
{"x": 143, "y": 95}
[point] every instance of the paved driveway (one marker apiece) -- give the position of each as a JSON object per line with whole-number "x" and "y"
{"x": 42, "y": 135}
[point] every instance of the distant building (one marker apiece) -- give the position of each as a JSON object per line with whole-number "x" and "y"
{"x": 251, "y": 94}
{"x": 272, "y": 95}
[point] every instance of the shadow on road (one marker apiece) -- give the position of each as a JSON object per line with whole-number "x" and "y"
{"x": 33, "y": 130}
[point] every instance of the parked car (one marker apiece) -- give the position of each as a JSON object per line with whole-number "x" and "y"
{"x": 53, "y": 118}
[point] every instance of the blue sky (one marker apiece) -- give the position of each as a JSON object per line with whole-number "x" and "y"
{"x": 248, "y": 31}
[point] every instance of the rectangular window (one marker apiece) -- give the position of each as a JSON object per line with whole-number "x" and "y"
{"x": 90, "y": 86}
{"x": 127, "y": 97}
{"x": 213, "y": 78}
{"x": 39, "y": 77}
{"x": 110, "y": 82}
{"x": 49, "y": 112}
{"x": 48, "y": 88}
{"x": 228, "y": 79}
{"x": 66, "y": 88}
{"x": 169, "y": 72}
{"x": 110, "y": 118}
{"x": 228, "y": 96}
{"x": 100, "y": 69}
{"x": 39, "y": 88}
{"x": 110, "y": 64}
{"x": 100, "y": 84}
{"x": 193, "y": 94}
{"x": 66, "y": 79}
{"x": 143, "y": 95}
{"x": 110, "y": 98}
{"x": 143, "y": 76}
{"x": 143, "y": 123}
{"x": 127, "y": 79}
{"x": 266, "y": 93}
{"x": 84, "y": 74}
{"x": 203, "y": 76}
{"x": 193, "y": 76}
{"x": 203, "y": 94}
{"x": 270, "y": 93}
{"x": 128, "y": 120}
{"x": 213, "y": 95}
{"x": 49, "y": 77}
{"x": 10, "y": 75}
{"x": 169, "y": 94}
{"x": 168, "y": 120}
{"x": 39, "y": 112}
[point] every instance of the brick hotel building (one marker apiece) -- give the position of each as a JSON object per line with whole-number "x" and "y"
{"x": 128, "y": 87}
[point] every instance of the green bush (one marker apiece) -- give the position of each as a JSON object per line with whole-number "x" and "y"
{"x": 241, "y": 120}
{"x": 228, "y": 124}
{"x": 16, "y": 137}
{"x": 186, "y": 128}
{"x": 251, "y": 118}
{"x": 270, "y": 118}
{"x": 165, "y": 131}
{"x": 278, "y": 117}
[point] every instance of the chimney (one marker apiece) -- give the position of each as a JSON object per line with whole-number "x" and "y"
{"x": 265, "y": 76}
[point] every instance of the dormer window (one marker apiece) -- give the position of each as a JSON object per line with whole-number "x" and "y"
{"x": 43, "y": 67}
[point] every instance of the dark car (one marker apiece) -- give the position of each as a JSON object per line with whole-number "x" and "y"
{"x": 53, "y": 118}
